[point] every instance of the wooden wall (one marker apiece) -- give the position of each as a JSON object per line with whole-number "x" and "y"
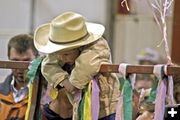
{"x": 176, "y": 34}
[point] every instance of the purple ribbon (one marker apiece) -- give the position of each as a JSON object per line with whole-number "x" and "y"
{"x": 161, "y": 91}
{"x": 95, "y": 100}
{"x": 160, "y": 100}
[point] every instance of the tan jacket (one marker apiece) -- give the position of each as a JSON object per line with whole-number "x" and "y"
{"x": 87, "y": 65}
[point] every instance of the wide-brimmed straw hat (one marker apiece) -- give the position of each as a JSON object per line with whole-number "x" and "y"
{"x": 67, "y": 31}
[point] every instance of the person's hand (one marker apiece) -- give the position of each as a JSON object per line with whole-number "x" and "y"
{"x": 69, "y": 87}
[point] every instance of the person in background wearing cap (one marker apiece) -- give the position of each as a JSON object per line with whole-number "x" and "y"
{"x": 147, "y": 56}
{"x": 144, "y": 82}
{"x": 75, "y": 51}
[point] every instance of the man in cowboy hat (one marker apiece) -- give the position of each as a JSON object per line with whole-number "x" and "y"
{"x": 75, "y": 51}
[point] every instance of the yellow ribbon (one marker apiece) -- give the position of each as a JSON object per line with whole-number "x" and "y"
{"x": 53, "y": 93}
{"x": 87, "y": 103}
{"x": 29, "y": 101}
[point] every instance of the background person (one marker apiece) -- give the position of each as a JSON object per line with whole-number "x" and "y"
{"x": 146, "y": 111}
{"x": 147, "y": 56}
{"x": 14, "y": 89}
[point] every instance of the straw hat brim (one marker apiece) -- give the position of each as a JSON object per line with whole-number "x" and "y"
{"x": 44, "y": 45}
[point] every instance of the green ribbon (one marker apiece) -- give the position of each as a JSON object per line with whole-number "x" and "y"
{"x": 31, "y": 74}
{"x": 125, "y": 86}
{"x": 152, "y": 95}
{"x": 127, "y": 100}
{"x": 121, "y": 80}
{"x": 34, "y": 68}
{"x": 81, "y": 108}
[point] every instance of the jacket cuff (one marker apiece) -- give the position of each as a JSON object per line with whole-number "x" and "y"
{"x": 59, "y": 81}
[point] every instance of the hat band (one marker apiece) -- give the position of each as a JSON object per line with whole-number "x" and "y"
{"x": 85, "y": 36}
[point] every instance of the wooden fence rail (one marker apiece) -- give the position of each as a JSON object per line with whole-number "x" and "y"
{"x": 35, "y": 100}
{"x": 142, "y": 69}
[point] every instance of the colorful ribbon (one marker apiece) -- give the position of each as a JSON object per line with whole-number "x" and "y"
{"x": 87, "y": 103}
{"x": 170, "y": 86}
{"x": 124, "y": 109}
{"x": 95, "y": 100}
{"x": 88, "y": 108}
{"x": 33, "y": 69}
{"x": 152, "y": 95}
{"x": 164, "y": 80}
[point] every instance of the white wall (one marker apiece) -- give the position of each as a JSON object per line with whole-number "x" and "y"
{"x": 134, "y": 33}
{"x": 129, "y": 36}
{"x": 16, "y": 16}
{"x": 15, "y": 19}
{"x": 92, "y": 10}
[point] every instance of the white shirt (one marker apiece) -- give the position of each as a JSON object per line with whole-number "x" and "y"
{"x": 19, "y": 94}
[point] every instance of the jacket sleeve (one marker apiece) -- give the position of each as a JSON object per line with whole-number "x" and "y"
{"x": 52, "y": 71}
{"x": 87, "y": 65}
